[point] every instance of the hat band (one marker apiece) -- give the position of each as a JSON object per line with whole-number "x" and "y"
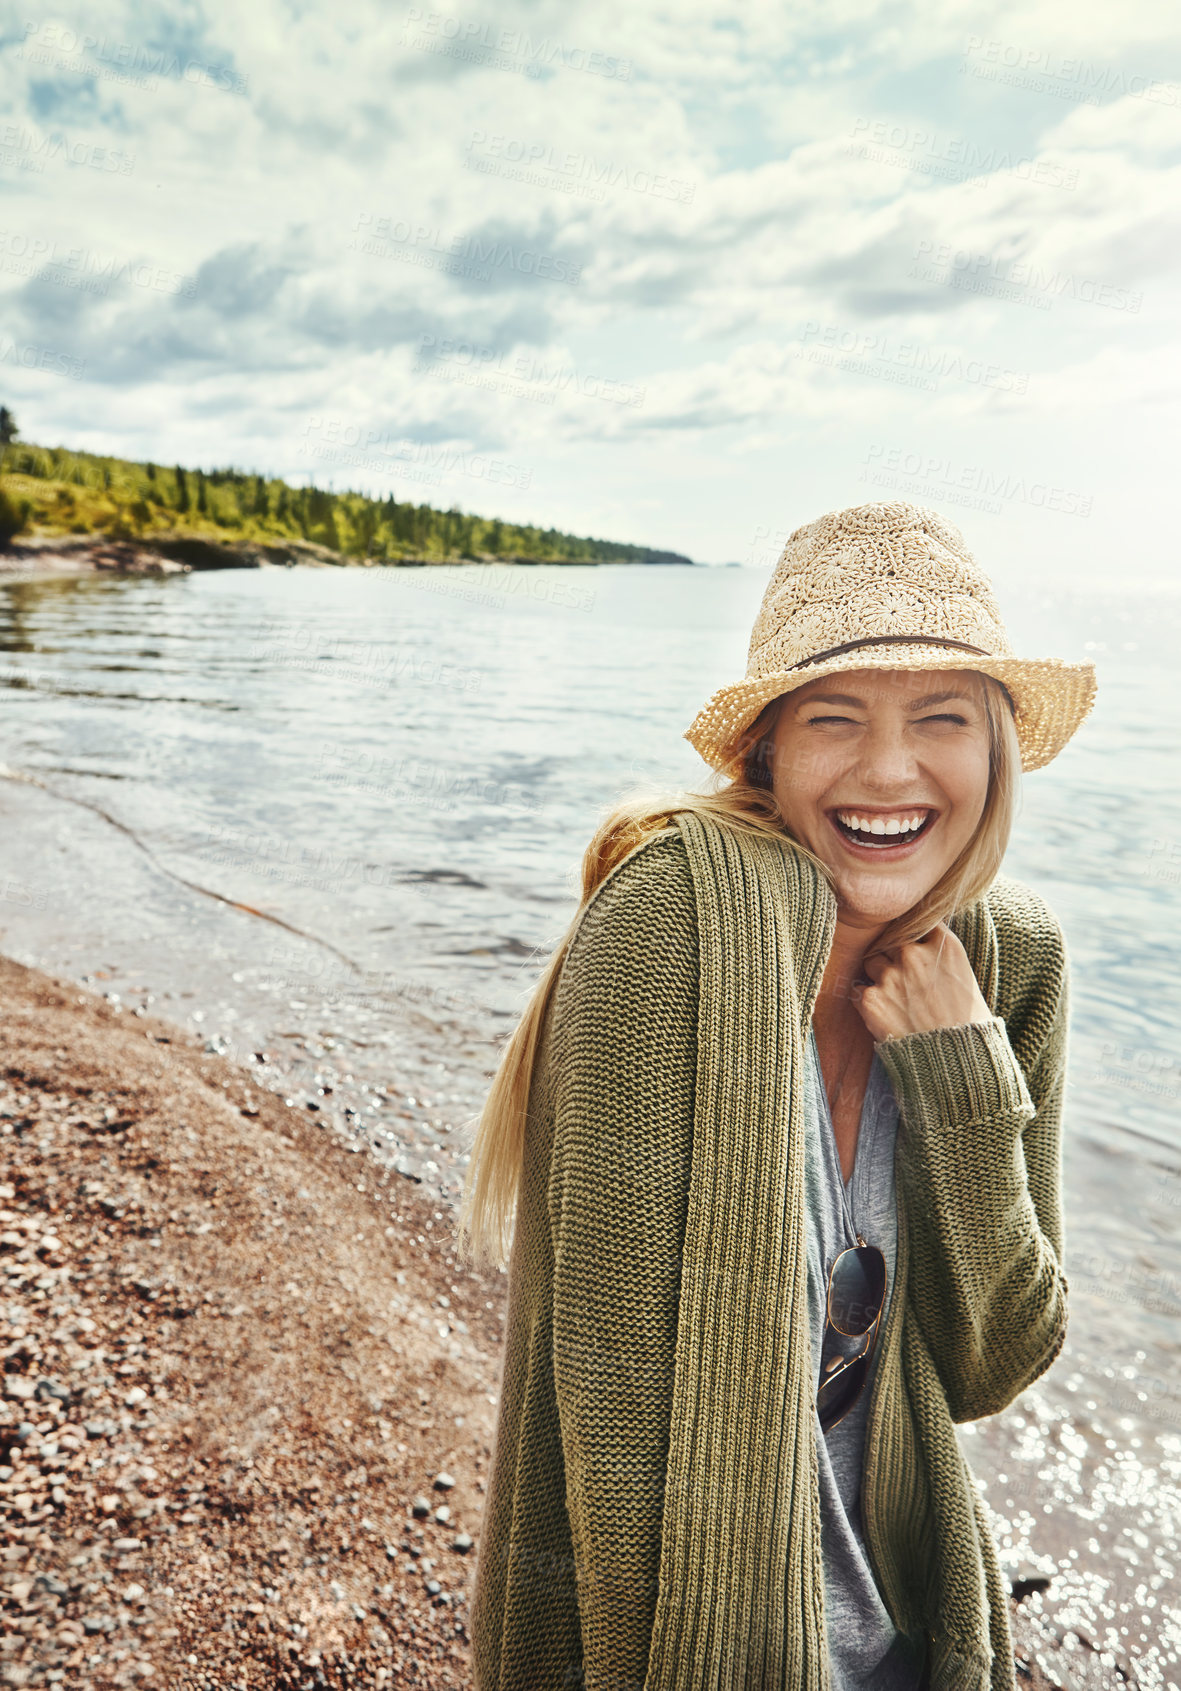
{"x": 890, "y": 640}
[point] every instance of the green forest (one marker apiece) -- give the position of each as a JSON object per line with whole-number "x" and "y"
{"x": 52, "y": 490}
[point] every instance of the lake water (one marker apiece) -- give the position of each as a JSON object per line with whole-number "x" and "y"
{"x": 336, "y": 817}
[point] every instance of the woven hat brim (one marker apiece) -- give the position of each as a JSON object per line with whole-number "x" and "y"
{"x": 1051, "y": 698}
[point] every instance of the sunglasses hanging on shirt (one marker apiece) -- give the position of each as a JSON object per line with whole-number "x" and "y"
{"x": 856, "y": 1296}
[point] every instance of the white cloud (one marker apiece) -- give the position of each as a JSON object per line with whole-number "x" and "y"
{"x": 658, "y": 216}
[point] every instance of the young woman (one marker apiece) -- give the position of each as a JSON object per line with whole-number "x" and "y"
{"x": 775, "y": 1147}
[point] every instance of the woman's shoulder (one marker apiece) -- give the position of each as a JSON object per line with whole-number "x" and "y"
{"x": 644, "y": 909}
{"x": 1024, "y": 919}
{"x": 655, "y": 872}
{"x": 632, "y": 962}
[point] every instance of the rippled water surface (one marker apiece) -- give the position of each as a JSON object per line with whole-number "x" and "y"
{"x": 335, "y": 818}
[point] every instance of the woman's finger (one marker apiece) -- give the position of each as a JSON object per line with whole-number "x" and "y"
{"x": 877, "y": 965}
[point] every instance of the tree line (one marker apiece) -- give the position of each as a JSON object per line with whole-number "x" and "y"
{"x": 83, "y": 492}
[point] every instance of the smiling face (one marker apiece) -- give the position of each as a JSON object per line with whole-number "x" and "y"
{"x": 883, "y": 774}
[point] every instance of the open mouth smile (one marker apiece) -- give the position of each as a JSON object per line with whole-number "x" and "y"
{"x": 878, "y": 833}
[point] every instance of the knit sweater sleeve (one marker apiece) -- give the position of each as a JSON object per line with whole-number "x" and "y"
{"x": 981, "y": 1184}
{"x": 624, "y": 1052}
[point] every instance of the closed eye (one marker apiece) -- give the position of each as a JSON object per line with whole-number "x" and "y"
{"x": 943, "y": 716}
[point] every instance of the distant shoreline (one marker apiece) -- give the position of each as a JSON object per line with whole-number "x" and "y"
{"x": 234, "y": 519}
{"x": 179, "y": 555}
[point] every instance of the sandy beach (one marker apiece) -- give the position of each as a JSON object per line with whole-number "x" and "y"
{"x": 248, "y": 1397}
{"x": 246, "y": 1413}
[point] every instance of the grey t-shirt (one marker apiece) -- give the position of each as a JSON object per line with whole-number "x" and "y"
{"x": 866, "y": 1651}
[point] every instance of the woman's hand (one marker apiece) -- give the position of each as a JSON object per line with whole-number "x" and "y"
{"x": 924, "y": 985}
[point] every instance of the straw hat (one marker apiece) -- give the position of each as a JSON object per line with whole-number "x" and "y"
{"x": 888, "y": 586}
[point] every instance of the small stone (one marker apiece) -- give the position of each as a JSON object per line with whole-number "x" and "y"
{"x": 391, "y": 1551}
{"x": 443, "y": 1514}
{"x": 19, "y": 1388}
{"x": 443, "y": 1482}
{"x": 462, "y": 1543}
{"x": 127, "y": 1544}
{"x": 134, "y": 1396}
{"x": 433, "y": 1587}
{"x": 1027, "y": 1585}
{"x": 421, "y": 1506}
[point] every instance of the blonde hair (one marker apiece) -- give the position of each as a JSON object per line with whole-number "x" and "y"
{"x": 487, "y": 1208}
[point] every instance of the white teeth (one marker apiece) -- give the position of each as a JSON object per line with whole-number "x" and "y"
{"x": 879, "y": 825}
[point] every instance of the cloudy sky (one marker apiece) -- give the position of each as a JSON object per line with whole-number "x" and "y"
{"x": 650, "y": 271}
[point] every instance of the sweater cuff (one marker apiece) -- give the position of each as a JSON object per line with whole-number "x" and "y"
{"x": 962, "y": 1075}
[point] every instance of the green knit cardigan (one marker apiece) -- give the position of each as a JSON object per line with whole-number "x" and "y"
{"x": 652, "y": 1520}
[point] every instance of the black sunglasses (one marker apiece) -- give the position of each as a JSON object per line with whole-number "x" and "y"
{"x": 856, "y": 1294}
